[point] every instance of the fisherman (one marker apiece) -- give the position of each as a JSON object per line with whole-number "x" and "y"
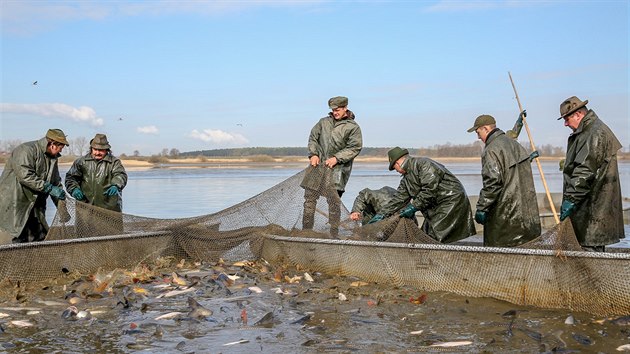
{"x": 98, "y": 179}
{"x": 430, "y": 188}
{"x": 370, "y": 202}
{"x": 507, "y": 206}
{"x": 30, "y": 175}
{"x": 591, "y": 193}
{"x": 334, "y": 141}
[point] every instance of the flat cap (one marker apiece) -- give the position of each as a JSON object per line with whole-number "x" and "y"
{"x": 338, "y": 101}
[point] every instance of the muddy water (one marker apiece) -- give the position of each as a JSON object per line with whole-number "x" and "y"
{"x": 258, "y": 307}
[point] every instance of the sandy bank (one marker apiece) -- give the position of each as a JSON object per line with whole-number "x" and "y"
{"x": 276, "y": 162}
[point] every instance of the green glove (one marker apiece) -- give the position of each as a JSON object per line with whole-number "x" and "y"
{"x": 376, "y": 218}
{"x": 567, "y": 208}
{"x": 78, "y": 194}
{"x": 481, "y": 217}
{"x": 561, "y": 164}
{"x": 518, "y": 125}
{"x": 533, "y": 155}
{"x": 519, "y": 120}
{"x": 54, "y": 191}
{"x": 112, "y": 190}
{"x": 409, "y": 212}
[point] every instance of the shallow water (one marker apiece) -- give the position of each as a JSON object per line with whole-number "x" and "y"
{"x": 296, "y": 317}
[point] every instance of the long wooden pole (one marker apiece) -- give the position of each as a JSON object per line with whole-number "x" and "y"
{"x": 531, "y": 142}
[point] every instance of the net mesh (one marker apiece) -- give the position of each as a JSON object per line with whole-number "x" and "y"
{"x": 302, "y": 221}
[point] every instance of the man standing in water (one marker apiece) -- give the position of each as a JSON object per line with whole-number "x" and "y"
{"x": 430, "y": 188}
{"x": 334, "y": 142}
{"x": 591, "y": 193}
{"x": 507, "y": 206}
{"x": 97, "y": 178}
{"x": 29, "y": 177}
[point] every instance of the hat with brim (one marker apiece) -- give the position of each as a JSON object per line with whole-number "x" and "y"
{"x": 482, "y": 120}
{"x": 58, "y": 136}
{"x": 100, "y": 142}
{"x": 394, "y": 154}
{"x": 570, "y": 105}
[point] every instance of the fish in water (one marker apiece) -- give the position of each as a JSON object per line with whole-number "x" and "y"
{"x": 196, "y": 310}
{"x": 621, "y": 321}
{"x": 582, "y": 339}
{"x": 266, "y": 321}
{"x": 70, "y": 312}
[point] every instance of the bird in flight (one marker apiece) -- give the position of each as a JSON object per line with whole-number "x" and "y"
{"x": 120, "y": 118}
{"x": 35, "y": 82}
{"x": 239, "y": 124}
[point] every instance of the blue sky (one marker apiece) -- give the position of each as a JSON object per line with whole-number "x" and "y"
{"x": 196, "y": 75}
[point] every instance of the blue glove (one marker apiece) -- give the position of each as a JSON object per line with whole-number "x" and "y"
{"x": 409, "y": 212}
{"x": 533, "y": 155}
{"x": 376, "y": 218}
{"x": 54, "y": 191}
{"x": 567, "y": 208}
{"x": 78, "y": 194}
{"x": 112, "y": 190}
{"x": 481, "y": 217}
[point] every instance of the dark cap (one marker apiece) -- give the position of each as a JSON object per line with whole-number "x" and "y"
{"x": 58, "y": 136}
{"x": 482, "y": 120}
{"x": 394, "y": 154}
{"x": 570, "y": 105}
{"x": 100, "y": 142}
{"x": 338, "y": 101}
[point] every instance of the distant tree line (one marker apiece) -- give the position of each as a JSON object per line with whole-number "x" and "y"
{"x": 440, "y": 150}
{"x": 249, "y": 151}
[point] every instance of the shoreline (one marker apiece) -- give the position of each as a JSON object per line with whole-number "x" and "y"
{"x": 281, "y": 162}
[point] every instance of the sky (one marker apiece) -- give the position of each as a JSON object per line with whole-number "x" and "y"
{"x": 200, "y": 75}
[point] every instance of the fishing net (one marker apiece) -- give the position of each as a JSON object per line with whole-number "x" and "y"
{"x": 302, "y": 221}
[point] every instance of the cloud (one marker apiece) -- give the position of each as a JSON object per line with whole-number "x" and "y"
{"x": 149, "y": 129}
{"x": 28, "y": 17}
{"x": 218, "y": 137}
{"x": 81, "y": 114}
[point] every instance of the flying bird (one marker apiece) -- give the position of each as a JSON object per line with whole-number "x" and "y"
{"x": 35, "y": 82}
{"x": 239, "y": 124}
{"x": 120, "y": 118}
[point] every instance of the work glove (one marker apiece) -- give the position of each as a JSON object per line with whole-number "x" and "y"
{"x": 533, "y": 155}
{"x": 78, "y": 194}
{"x": 519, "y": 120}
{"x": 112, "y": 190}
{"x": 376, "y": 218}
{"x": 409, "y": 212}
{"x": 567, "y": 208}
{"x": 518, "y": 125}
{"x": 54, "y": 191}
{"x": 481, "y": 217}
{"x": 561, "y": 164}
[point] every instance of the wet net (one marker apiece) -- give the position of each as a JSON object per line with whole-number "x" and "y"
{"x": 303, "y": 222}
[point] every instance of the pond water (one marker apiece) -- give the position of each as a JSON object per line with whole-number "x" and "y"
{"x": 186, "y": 192}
